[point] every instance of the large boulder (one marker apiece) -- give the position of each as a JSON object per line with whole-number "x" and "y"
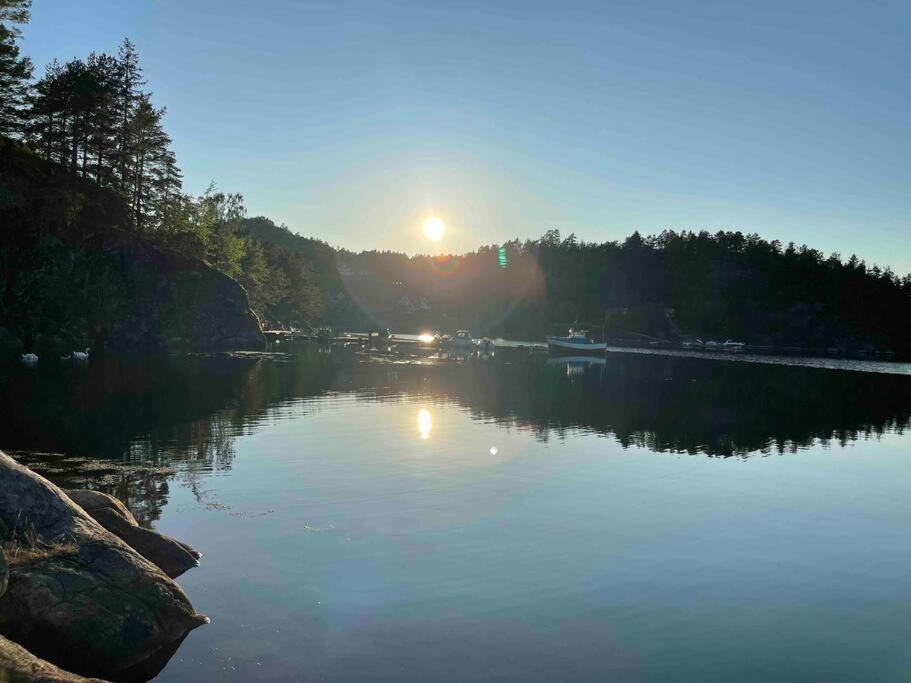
{"x": 177, "y": 303}
{"x": 4, "y": 573}
{"x": 90, "y": 501}
{"x": 18, "y": 665}
{"x": 79, "y": 596}
{"x": 170, "y": 555}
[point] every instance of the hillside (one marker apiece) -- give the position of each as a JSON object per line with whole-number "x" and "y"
{"x": 669, "y": 286}
{"x": 72, "y": 276}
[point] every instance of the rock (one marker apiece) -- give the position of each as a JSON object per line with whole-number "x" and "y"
{"x": 178, "y": 303}
{"x": 18, "y": 664}
{"x": 4, "y": 573}
{"x": 90, "y": 501}
{"x": 87, "y": 602}
{"x": 171, "y": 556}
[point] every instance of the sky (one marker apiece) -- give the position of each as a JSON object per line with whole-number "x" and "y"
{"x": 355, "y": 121}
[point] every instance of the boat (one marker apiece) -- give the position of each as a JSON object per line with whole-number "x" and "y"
{"x": 577, "y": 341}
{"x": 731, "y": 345}
{"x": 712, "y": 344}
{"x": 460, "y": 340}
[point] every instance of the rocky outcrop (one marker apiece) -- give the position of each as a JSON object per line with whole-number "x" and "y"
{"x": 4, "y": 573}
{"x": 80, "y": 597}
{"x": 122, "y": 290}
{"x": 19, "y": 665}
{"x": 177, "y": 303}
{"x": 169, "y": 554}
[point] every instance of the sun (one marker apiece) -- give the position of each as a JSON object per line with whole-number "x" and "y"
{"x": 434, "y": 229}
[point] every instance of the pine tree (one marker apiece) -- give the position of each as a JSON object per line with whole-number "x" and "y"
{"x": 15, "y": 71}
{"x": 148, "y": 152}
{"x": 103, "y": 116}
{"x": 129, "y": 94}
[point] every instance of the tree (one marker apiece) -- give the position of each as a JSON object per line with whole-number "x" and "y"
{"x": 150, "y": 161}
{"x": 15, "y": 70}
{"x": 129, "y": 93}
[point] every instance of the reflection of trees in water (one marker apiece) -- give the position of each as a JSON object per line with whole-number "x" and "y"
{"x": 675, "y": 404}
{"x": 129, "y": 428}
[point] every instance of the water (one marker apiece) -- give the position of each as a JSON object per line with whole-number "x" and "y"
{"x": 649, "y": 517}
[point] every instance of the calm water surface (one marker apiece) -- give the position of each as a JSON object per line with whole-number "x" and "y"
{"x": 650, "y": 517}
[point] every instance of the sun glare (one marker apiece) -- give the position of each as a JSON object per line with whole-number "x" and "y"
{"x": 425, "y": 423}
{"x": 434, "y": 229}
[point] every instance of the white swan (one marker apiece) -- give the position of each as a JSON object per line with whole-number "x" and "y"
{"x": 29, "y": 358}
{"x": 81, "y": 355}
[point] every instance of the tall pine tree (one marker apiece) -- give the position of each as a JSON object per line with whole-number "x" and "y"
{"x": 15, "y": 70}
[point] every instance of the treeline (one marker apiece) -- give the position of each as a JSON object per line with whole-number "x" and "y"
{"x": 669, "y": 286}
{"x": 94, "y": 118}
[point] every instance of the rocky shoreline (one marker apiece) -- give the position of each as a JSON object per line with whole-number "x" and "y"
{"x": 84, "y": 590}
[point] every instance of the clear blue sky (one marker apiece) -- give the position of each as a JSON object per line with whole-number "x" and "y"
{"x": 352, "y": 121}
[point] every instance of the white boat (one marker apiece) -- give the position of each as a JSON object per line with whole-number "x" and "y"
{"x": 460, "y": 340}
{"x": 713, "y": 344}
{"x": 577, "y": 341}
{"x": 731, "y": 345}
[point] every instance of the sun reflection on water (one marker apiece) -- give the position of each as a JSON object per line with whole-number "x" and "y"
{"x": 425, "y": 423}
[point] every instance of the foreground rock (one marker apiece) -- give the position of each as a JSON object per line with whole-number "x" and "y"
{"x": 82, "y": 598}
{"x": 18, "y": 664}
{"x": 4, "y": 573}
{"x": 170, "y": 555}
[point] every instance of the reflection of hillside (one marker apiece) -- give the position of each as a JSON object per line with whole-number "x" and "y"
{"x": 125, "y": 426}
{"x": 670, "y": 403}
{"x": 129, "y": 428}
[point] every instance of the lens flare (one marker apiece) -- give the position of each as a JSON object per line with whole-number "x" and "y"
{"x": 425, "y": 338}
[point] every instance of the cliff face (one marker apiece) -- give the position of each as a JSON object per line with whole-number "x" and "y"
{"x": 71, "y": 276}
{"x": 177, "y": 303}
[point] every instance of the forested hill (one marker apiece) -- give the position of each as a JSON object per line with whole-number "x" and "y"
{"x": 88, "y": 185}
{"x": 669, "y": 286}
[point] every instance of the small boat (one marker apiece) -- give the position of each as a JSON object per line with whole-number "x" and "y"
{"x": 731, "y": 345}
{"x": 578, "y": 341}
{"x": 714, "y": 345}
{"x": 461, "y": 340}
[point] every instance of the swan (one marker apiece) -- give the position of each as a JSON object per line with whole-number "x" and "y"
{"x": 81, "y": 355}
{"x": 29, "y": 358}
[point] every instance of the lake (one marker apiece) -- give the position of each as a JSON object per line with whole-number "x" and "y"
{"x": 646, "y": 517}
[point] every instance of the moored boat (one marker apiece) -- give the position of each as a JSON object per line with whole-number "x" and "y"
{"x": 460, "y": 340}
{"x": 577, "y": 341}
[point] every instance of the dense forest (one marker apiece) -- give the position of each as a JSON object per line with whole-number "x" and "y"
{"x": 91, "y": 125}
{"x": 669, "y": 286}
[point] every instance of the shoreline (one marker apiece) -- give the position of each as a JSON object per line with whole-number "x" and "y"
{"x": 89, "y": 591}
